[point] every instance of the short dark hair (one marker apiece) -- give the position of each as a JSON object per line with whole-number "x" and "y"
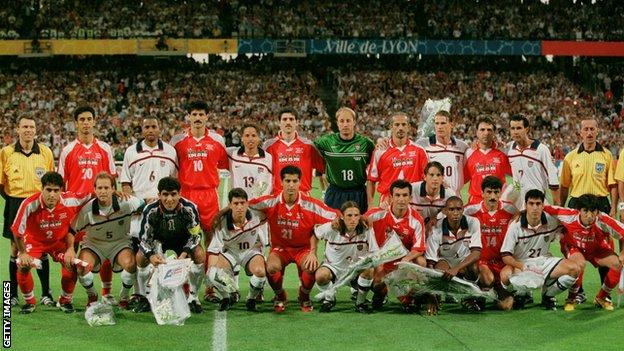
{"x": 521, "y": 118}
{"x": 249, "y": 125}
{"x": 446, "y": 114}
{"x": 486, "y": 119}
{"x": 491, "y": 182}
{"x": 104, "y": 175}
{"x": 82, "y": 109}
{"x": 534, "y": 194}
{"x": 454, "y": 198}
{"x": 168, "y": 184}
{"x": 19, "y": 120}
{"x": 238, "y": 193}
{"x": 52, "y": 178}
{"x": 400, "y": 184}
{"x": 290, "y": 169}
{"x": 198, "y": 106}
{"x": 435, "y": 164}
{"x": 286, "y": 110}
{"x": 588, "y": 202}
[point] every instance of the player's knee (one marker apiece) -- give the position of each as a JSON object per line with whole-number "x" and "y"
{"x": 258, "y": 271}
{"x": 367, "y": 274}
{"x": 199, "y": 255}
{"x": 573, "y": 269}
{"x": 486, "y": 277}
{"x": 322, "y": 276}
{"x": 273, "y": 268}
{"x": 421, "y": 261}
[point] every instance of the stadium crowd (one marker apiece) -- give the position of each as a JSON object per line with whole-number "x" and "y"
{"x": 508, "y": 19}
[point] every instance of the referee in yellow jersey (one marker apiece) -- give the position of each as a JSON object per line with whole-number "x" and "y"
{"x": 619, "y": 178}
{"x": 21, "y": 167}
{"x": 589, "y": 169}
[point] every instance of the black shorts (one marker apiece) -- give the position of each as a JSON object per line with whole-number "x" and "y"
{"x": 11, "y": 207}
{"x": 335, "y": 197}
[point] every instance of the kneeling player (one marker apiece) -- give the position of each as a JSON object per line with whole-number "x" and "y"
{"x": 236, "y": 243}
{"x": 106, "y": 222}
{"x": 527, "y": 247}
{"x": 587, "y": 239}
{"x": 406, "y": 222}
{"x": 42, "y": 226}
{"x": 454, "y": 247}
{"x": 173, "y": 223}
{"x": 352, "y": 241}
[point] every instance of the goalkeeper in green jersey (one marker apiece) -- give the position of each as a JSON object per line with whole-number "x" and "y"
{"x": 346, "y": 156}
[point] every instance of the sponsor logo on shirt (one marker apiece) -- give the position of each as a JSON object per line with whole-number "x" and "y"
{"x": 196, "y": 154}
{"x": 399, "y": 162}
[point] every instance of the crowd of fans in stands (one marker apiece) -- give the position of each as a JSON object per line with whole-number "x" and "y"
{"x": 503, "y": 19}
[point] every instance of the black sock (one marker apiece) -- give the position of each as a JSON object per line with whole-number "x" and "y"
{"x": 13, "y": 275}
{"x": 44, "y": 276}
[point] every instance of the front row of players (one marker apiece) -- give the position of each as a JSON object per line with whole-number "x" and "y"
{"x": 486, "y": 243}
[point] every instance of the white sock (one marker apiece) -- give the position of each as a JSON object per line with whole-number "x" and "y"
{"x": 364, "y": 285}
{"x": 127, "y": 279}
{"x": 195, "y": 277}
{"x": 324, "y": 288}
{"x": 256, "y": 284}
{"x": 87, "y": 282}
{"x": 142, "y": 276}
{"x": 560, "y": 285}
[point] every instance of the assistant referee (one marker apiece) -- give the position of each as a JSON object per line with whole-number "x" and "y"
{"x": 346, "y": 156}
{"x": 21, "y": 167}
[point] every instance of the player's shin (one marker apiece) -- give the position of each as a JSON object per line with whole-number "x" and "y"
{"x": 196, "y": 276}
{"x": 106, "y": 276}
{"x": 324, "y": 287}
{"x": 142, "y": 277}
{"x": 307, "y": 283}
{"x": 13, "y": 275}
{"x": 87, "y": 282}
{"x": 574, "y": 289}
{"x": 559, "y": 285}
{"x": 26, "y": 285}
{"x": 611, "y": 281}
{"x": 68, "y": 283}
{"x": 256, "y": 284}
{"x": 363, "y": 286}
{"x": 276, "y": 281}
{"x": 44, "y": 276}
{"x": 127, "y": 280}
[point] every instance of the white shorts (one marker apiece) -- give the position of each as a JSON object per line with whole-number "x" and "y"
{"x": 240, "y": 259}
{"x": 337, "y": 272}
{"x": 452, "y": 261}
{"x": 545, "y": 264}
{"x": 135, "y": 225}
{"x": 107, "y": 251}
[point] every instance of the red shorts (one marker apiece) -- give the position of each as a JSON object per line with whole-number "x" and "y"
{"x": 291, "y": 255}
{"x": 37, "y": 250}
{"x": 494, "y": 265}
{"x": 592, "y": 254}
{"x": 207, "y": 203}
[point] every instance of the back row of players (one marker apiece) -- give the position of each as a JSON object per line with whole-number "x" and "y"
{"x": 416, "y": 181}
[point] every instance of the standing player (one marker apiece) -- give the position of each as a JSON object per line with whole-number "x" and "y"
{"x": 346, "y": 156}
{"x": 145, "y": 164}
{"x": 21, "y": 167}
{"x": 106, "y": 222}
{"x": 587, "y": 238}
{"x": 494, "y": 217}
{"x": 236, "y": 244}
{"x": 450, "y": 152}
{"x": 345, "y": 246}
{"x": 527, "y": 247}
{"x": 454, "y": 247}
{"x": 531, "y": 162}
{"x": 485, "y": 160}
{"x": 429, "y": 196}
{"x": 406, "y": 222}
{"x": 42, "y": 227}
{"x": 588, "y": 169}
{"x": 289, "y": 148}
{"x": 403, "y": 159}
{"x": 292, "y": 216}
{"x": 171, "y": 223}
{"x": 79, "y": 163}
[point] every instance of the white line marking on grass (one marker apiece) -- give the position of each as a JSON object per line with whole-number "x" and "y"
{"x": 219, "y": 331}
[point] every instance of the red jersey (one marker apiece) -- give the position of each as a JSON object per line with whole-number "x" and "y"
{"x": 588, "y": 238}
{"x": 299, "y": 152}
{"x": 410, "y": 228}
{"x": 482, "y": 163}
{"x": 199, "y": 160}
{"x": 41, "y": 227}
{"x": 406, "y": 162}
{"x": 80, "y": 163}
{"x": 493, "y": 227}
{"x": 292, "y": 227}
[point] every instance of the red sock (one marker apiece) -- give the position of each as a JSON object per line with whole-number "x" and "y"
{"x": 612, "y": 279}
{"x": 573, "y": 291}
{"x": 307, "y": 283}
{"x": 106, "y": 276}
{"x": 276, "y": 282}
{"x": 26, "y": 285}
{"x": 68, "y": 283}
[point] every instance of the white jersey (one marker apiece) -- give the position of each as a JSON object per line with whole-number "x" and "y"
{"x": 106, "y": 225}
{"x": 532, "y": 167}
{"x": 144, "y": 167}
{"x": 427, "y": 206}
{"x": 253, "y": 174}
{"x": 451, "y": 156}
{"x": 451, "y": 247}
{"x": 524, "y": 242}
{"x": 343, "y": 250}
{"x": 230, "y": 238}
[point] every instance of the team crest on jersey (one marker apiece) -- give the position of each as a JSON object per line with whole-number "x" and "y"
{"x": 600, "y": 167}
{"x": 496, "y": 160}
{"x": 360, "y": 247}
{"x": 162, "y": 163}
{"x": 39, "y": 172}
{"x": 530, "y": 163}
{"x": 260, "y": 170}
{"x": 63, "y": 215}
{"x": 357, "y": 147}
{"x": 121, "y": 222}
{"x": 457, "y": 158}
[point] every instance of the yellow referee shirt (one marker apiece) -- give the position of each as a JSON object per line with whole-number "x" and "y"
{"x": 619, "y": 171}
{"x": 21, "y": 173}
{"x": 586, "y": 172}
